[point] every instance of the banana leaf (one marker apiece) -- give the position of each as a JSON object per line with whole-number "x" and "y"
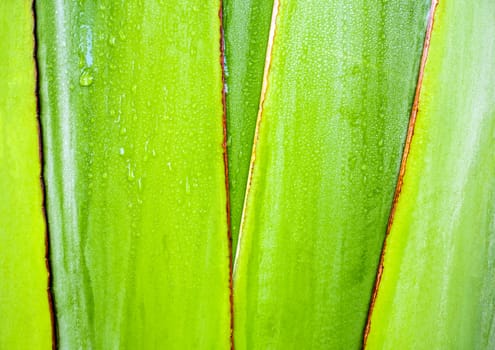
{"x": 437, "y": 286}
{"x": 24, "y": 299}
{"x": 338, "y": 89}
{"x": 133, "y": 124}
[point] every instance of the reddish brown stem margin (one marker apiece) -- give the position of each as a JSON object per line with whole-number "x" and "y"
{"x": 50, "y": 297}
{"x": 226, "y": 169}
{"x": 405, "y": 155}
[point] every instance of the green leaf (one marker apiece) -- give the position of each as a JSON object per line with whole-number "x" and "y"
{"x": 437, "y": 289}
{"x": 338, "y": 92}
{"x": 246, "y": 26}
{"x": 25, "y": 321}
{"x": 132, "y": 116}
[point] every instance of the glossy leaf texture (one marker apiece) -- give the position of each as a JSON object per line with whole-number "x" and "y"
{"x": 132, "y": 115}
{"x": 437, "y": 289}
{"x": 25, "y": 321}
{"x": 336, "y": 100}
{"x": 246, "y": 28}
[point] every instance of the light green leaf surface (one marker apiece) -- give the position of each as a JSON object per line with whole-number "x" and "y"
{"x": 132, "y": 113}
{"x": 246, "y": 27}
{"x": 438, "y": 284}
{"x": 24, "y": 308}
{"x": 339, "y": 91}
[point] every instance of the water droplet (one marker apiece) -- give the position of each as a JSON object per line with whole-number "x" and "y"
{"x": 130, "y": 172}
{"x": 188, "y": 187}
{"x": 86, "y": 78}
{"x": 104, "y": 175}
{"x": 121, "y": 151}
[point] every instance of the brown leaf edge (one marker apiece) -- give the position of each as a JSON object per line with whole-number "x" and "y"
{"x": 53, "y": 320}
{"x": 226, "y": 169}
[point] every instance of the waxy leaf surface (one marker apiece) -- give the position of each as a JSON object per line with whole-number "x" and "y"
{"x": 337, "y": 96}
{"x": 437, "y": 290}
{"x": 132, "y": 116}
{"x": 246, "y": 27}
